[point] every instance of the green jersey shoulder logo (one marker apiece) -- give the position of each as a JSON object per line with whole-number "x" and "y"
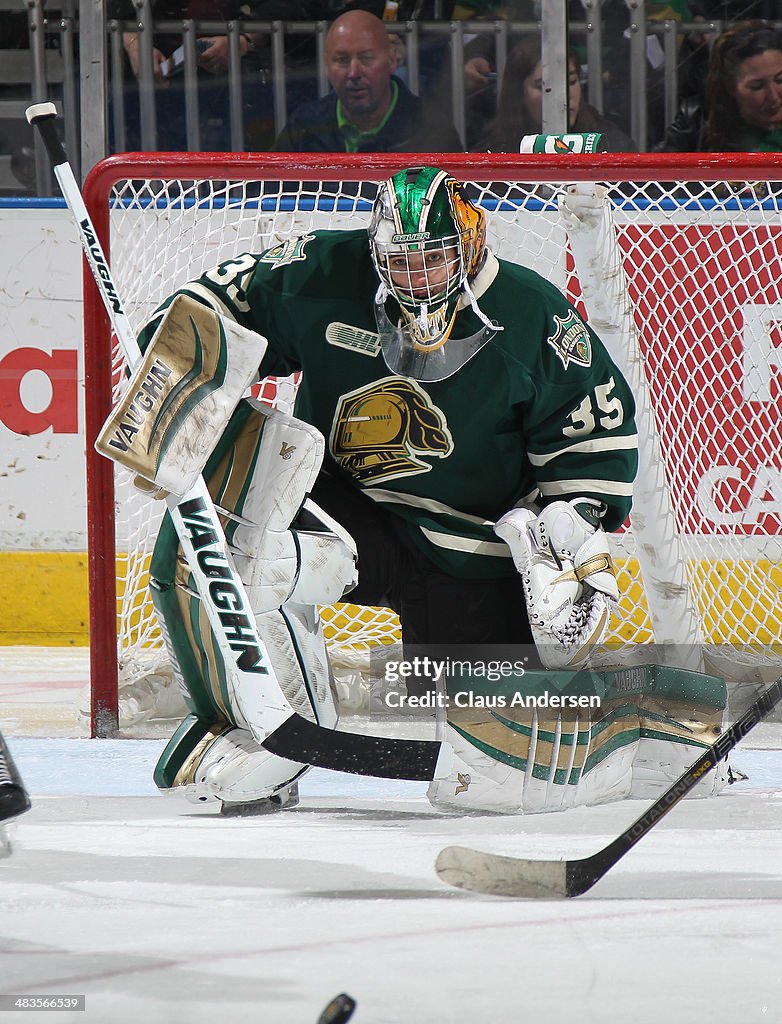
{"x": 571, "y": 340}
{"x": 285, "y": 253}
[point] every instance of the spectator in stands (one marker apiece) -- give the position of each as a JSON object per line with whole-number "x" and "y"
{"x": 432, "y": 49}
{"x": 480, "y": 79}
{"x": 17, "y": 156}
{"x": 693, "y": 63}
{"x": 397, "y": 10}
{"x": 736, "y": 10}
{"x": 519, "y": 109}
{"x": 301, "y": 66}
{"x": 212, "y": 59}
{"x": 742, "y": 111}
{"x": 370, "y": 109}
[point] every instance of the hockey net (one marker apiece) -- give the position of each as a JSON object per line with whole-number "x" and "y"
{"x": 697, "y": 315}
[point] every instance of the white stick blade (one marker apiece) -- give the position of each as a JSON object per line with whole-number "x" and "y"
{"x": 501, "y": 876}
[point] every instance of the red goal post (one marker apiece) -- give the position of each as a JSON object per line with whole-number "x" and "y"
{"x": 699, "y": 240}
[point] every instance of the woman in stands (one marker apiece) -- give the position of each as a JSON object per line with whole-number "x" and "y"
{"x": 519, "y": 108}
{"x": 742, "y": 112}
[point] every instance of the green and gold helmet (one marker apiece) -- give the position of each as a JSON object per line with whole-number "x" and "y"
{"x": 428, "y": 241}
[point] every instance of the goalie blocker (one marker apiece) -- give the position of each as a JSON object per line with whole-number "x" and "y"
{"x": 181, "y": 395}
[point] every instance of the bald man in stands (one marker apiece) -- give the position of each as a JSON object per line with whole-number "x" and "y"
{"x": 369, "y": 110}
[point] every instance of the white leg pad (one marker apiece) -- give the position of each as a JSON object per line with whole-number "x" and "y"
{"x": 554, "y": 772}
{"x": 480, "y": 784}
{"x": 659, "y": 764}
{"x": 610, "y": 779}
{"x": 279, "y": 565}
{"x": 297, "y": 649}
{"x": 313, "y": 563}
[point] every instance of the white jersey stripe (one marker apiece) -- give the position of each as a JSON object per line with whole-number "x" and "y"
{"x": 553, "y": 487}
{"x": 603, "y": 444}
{"x": 416, "y": 501}
{"x": 475, "y": 547}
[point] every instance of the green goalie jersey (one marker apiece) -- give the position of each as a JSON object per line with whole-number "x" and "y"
{"x": 540, "y": 413}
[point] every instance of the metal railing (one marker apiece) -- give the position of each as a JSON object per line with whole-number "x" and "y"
{"x": 93, "y": 75}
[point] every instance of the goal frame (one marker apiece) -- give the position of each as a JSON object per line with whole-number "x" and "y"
{"x": 531, "y": 169}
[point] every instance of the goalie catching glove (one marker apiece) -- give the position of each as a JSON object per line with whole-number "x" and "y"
{"x": 567, "y": 574}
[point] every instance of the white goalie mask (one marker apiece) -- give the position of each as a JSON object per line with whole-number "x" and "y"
{"x": 428, "y": 241}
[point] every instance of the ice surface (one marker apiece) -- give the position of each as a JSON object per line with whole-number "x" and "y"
{"x": 161, "y": 912}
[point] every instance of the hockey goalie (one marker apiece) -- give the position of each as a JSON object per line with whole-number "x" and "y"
{"x": 460, "y": 446}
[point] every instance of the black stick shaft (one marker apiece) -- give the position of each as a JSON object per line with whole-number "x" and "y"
{"x": 582, "y": 874}
{"x": 45, "y": 121}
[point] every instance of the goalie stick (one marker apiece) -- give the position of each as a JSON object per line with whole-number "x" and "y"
{"x": 284, "y": 732}
{"x": 544, "y": 879}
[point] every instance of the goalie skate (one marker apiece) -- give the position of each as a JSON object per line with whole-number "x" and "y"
{"x": 284, "y": 800}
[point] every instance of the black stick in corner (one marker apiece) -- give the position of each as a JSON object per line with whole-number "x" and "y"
{"x": 546, "y": 879}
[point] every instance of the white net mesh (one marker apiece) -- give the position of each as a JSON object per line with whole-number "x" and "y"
{"x": 704, "y": 269}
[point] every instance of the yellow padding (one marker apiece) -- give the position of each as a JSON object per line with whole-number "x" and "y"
{"x": 43, "y": 601}
{"x": 348, "y": 625}
{"x": 43, "y": 598}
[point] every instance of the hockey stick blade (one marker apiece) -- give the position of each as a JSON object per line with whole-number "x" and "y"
{"x": 498, "y": 875}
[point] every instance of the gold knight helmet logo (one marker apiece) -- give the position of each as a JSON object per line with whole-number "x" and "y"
{"x": 381, "y": 430}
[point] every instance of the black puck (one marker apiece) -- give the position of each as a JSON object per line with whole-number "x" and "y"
{"x": 339, "y": 1010}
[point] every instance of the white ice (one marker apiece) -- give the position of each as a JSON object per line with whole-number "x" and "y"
{"x": 164, "y": 913}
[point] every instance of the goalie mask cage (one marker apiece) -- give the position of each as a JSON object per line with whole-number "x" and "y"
{"x": 675, "y": 260}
